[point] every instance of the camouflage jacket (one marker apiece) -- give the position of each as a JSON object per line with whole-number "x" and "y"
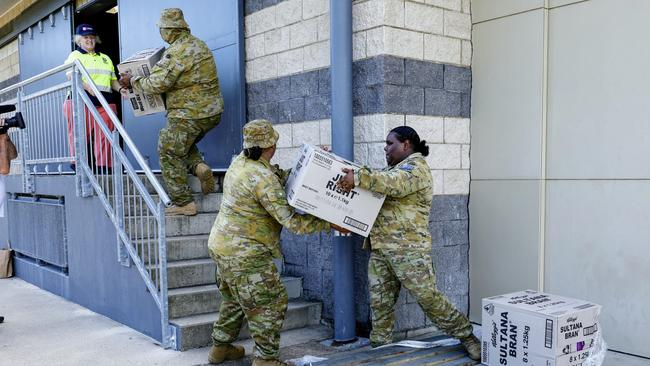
{"x": 187, "y": 74}
{"x": 403, "y": 220}
{"x": 254, "y": 210}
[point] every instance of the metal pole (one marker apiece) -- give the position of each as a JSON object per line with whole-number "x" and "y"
{"x": 28, "y": 181}
{"x": 342, "y": 145}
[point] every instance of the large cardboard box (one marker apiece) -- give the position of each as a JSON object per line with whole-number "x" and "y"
{"x": 140, "y": 64}
{"x": 311, "y": 188}
{"x": 537, "y": 329}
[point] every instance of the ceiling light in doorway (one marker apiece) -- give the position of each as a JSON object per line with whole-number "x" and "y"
{"x": 112, "y": 10}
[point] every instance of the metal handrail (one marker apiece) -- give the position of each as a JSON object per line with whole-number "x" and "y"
{"x": 38, "y": 77}
{"x": 125, "y": 136}
{"x": 138, "y": 219}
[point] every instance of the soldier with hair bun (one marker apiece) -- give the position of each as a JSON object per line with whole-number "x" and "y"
{"x": 243, "y": 242}
{"x": 401, "y": 243}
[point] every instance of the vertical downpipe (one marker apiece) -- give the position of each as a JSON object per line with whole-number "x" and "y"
{"x": 342, "y": 145}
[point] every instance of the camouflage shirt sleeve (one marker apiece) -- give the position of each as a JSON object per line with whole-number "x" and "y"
{"x": 399, "y": 181}
{"x": 162, "y": 78}
{"x": 272, "y": 197}
{"x": 283, "y": 174}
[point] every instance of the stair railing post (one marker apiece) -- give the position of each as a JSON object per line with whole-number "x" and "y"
{"x": 28, "y": 180}
{"x": 168, "y": 332}
{"x": 118, "y": 196}
{"x": 79, "y": 136}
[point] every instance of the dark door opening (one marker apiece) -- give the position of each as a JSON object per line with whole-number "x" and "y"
{"x": 102, "y": 14}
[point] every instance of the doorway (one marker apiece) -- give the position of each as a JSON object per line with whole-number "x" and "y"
{"x": 103, "y": 15}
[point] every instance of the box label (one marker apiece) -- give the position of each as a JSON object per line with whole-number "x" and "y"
{"x": 312, "y": 188}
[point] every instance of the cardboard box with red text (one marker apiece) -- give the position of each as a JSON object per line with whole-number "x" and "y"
{"x": 311, "y": 188}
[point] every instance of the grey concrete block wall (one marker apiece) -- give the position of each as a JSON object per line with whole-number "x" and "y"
{"x": 382, "y": 84}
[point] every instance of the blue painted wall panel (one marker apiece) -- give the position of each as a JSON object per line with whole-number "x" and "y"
{"x": 95, "y": 279}
{"x": 43, "y": 51}
{"x": 215, "y": 22}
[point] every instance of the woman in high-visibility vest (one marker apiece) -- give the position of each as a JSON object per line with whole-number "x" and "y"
{"x": 102, "y": 72}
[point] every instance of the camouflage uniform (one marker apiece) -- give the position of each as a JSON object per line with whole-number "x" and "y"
{"x": 187, "y": 74}
{"x": 401, "y": 249}
{"x": 244, "y": 240}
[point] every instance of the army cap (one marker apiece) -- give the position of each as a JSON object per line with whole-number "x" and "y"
{"x": 172, "y": 18}
{"x": 260, "y": 133}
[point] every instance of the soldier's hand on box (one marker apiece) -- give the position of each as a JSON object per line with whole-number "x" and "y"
{"x": 125, "y": 80}
{"x": 339, "y": 229}
{"x": 346, "y": 182}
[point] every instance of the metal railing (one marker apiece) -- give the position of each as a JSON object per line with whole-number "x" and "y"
{"x": 65, "y": 134}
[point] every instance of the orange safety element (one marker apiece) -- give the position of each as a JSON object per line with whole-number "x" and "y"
{"x": 101, "y": 146}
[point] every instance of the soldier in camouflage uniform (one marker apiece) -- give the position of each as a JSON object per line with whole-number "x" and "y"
{"x": 401, "y": 243}
{"x": 243, "y": 242}
{"x": 187, "y": 74}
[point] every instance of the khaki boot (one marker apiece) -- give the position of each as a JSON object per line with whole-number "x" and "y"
{"x": 187, "y": 210}
{"x": 472, "y": 346}
{"x": 225, "y": 352}
{"x": 262, "y": 362}
{"x": 204, "y": 173}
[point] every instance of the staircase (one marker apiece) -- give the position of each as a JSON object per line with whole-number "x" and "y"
{"x": 193, "y": 295}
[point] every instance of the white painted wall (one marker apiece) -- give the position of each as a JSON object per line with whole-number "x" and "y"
{"x": 560, "y": 191}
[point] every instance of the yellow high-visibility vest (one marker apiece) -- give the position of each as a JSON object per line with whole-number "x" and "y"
{"x": 99, "y": 66}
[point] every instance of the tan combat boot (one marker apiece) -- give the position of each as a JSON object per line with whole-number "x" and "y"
{"x": 204, "y": 173}
{"x": 225, "y": 352}
{"x": 472, "y": 346}
{"x": 262, "y": 362}
{"x": 187, "y": 210}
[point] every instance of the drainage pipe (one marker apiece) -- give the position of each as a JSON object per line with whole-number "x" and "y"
{"x": 342, "y": 145}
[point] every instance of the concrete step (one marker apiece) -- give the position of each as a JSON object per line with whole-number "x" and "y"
{"x": 195, "y": 331}
{"x": 187, "y": 247}
{"x": 135, "y": 206}
{"x": 145, "y": 227}
{"x": 187, "y": 301}
{"x": 193, "y": 182}
{"x": 192, "y": 272}
{"x": 196, "y": 272}
{"x": 189, "y": 225}
{"x": 179, "y": 248}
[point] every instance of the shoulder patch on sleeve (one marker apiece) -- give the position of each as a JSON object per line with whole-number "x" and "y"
{"x": 407, "y": 167}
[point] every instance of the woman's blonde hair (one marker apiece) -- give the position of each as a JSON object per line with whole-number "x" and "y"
{"x": 77, "y": 39}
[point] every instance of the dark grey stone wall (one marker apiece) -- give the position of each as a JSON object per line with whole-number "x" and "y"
{"x": 382, "y": 84}
{"x": 310, "y": 257}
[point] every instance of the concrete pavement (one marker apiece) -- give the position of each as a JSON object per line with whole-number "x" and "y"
{"x": 43, "y": 329}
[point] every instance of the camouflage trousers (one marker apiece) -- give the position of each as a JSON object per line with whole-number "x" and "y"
{"x": 251, "y": 288}
{"x": 388, "y": 270}
{"x": 179, "y": 154}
